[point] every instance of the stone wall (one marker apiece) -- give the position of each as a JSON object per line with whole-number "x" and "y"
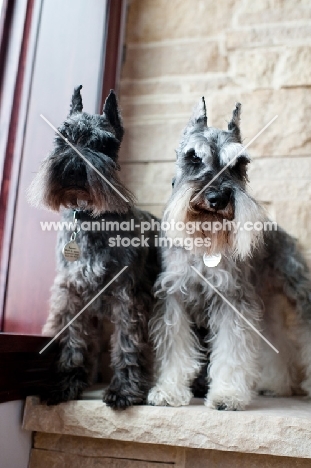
{"x": 59, "y": 451}
{"x": 258, "y": 53}
{"x": 273, "y": 432}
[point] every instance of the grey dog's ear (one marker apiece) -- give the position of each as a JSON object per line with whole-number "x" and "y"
{"x": 76, "y": 101}
{"x": 234, "y": 124}
{"x": 199, "y": 114}
{"x": 111, "y": 111}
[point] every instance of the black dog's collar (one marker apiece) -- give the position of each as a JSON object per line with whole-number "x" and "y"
{"x": 85, "y": 215}
{"x": 80, "y": 215}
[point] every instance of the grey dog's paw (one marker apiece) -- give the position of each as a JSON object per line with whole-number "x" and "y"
{"x": 163, "y": 396}
{"x": 225, "y": 404}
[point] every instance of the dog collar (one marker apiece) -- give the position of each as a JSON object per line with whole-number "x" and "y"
{"x": 82, "y": 215}
{"x": 79, "y": 215}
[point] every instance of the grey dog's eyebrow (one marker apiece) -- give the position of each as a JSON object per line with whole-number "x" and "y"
{"x": 228, "y": 152}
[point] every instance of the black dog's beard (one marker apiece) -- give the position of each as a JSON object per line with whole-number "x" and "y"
{"x": 53, "y": 189}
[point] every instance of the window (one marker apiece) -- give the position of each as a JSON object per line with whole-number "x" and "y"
{"x": 47, "y": 47}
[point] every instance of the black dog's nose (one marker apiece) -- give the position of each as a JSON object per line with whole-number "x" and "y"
{"x": 218, "y": 199}
{"x": 74, "y": 174}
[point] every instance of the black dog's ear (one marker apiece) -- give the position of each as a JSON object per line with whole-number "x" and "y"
{"x": 76, "y": 101}
{"x": 111, "y": 111}
{"x": 234, "y": 124}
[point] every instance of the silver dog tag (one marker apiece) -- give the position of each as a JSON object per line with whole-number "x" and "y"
{"x": 211, "y": 260}
{"x": 71, "y": 251}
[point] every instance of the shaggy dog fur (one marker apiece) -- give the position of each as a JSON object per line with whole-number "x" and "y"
{"x": 66, "y": 180}
{"x": 262, "y": 274}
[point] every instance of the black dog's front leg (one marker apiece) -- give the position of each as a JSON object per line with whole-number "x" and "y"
{"x": 131, "y": 357}
{"x": 77, "y": 343}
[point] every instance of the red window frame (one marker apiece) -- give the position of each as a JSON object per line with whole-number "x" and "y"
{"x": 21, "y": 368}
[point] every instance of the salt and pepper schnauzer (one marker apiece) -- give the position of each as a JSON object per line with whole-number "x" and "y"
{"x": 261, "y": 273}
{"x": 67, "y": 180}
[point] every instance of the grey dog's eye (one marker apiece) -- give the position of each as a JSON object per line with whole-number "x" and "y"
{"x": 192, "y": 157}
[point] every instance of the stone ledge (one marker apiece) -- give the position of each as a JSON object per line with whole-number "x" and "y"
{"x": 270, "y": 426}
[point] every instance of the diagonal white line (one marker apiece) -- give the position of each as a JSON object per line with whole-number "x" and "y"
{"x": 83, "y": 157}
{"x": 235, "y": 310}
{"x": 82, "y": 310}
{"x": 233, "y": 159}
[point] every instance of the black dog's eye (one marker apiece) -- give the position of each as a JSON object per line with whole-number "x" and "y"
{"x": 192, "y": 157}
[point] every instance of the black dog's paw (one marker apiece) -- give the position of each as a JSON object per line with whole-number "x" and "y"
{"x": 57, "y": 396}
{"x": 66, "y": 386}
{"x": 121, "y": 400}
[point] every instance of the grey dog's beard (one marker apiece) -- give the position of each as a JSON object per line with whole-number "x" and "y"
{"x": 238, "y": 244}
{"x": 182, "y": 209}
{"x": 221, "y": 241}
{"x": 211, "y": 242}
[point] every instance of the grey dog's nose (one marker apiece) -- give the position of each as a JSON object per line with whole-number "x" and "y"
{"x": 218, "y": 199}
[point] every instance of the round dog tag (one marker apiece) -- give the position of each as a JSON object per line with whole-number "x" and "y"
{"x": 71, "y": 251}
{"x": 211, "y": 260}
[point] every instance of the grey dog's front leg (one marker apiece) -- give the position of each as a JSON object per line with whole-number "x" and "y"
{"x": 234, "y": 367}
{"x": 178, "y": 359}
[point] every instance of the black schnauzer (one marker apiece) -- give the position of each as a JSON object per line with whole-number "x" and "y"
{"x": 88, "y": 187}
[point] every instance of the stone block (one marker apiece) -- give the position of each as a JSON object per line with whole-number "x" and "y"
{"x": 170, "y": 59}
{"x": 151, "y": 183}
{"x": 255, "y": 68}
{"x": 162, "y": 107}
{"x": 273, "y": 11}
{"x": 288, "y": 135}
{"x": 269, "y": 68}
{"x": 88, "y": 447}
{"x": 281, "y": 179}
{"x": 152, "y": 140}
{"x": 269, "y": 426}
{"x": 156, "y": 210}
{"x": 41, "y": 458}
{"x": 295, "y": 66}
{"x": 175, "y": 85}
{"x": 196, "y": 458}
{"x": 161, "y": 20}
{"x": 268, "y": 36}
{"x": 155, "y": 139}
